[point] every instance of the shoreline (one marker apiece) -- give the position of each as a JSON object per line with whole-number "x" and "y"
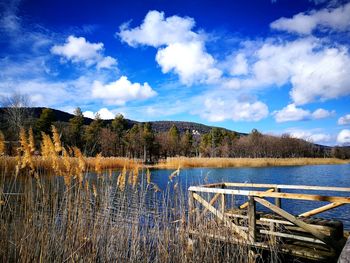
{"x": 184, "y": 162}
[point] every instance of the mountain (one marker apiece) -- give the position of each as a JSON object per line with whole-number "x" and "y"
{"x": 158, "y": 126}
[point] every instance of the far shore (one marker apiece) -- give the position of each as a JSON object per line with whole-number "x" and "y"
{"x": 185, "y": 162}
{"x": 8, "y": 163}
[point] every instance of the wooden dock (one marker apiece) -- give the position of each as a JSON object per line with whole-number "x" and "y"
{"x": 306, "y": 236}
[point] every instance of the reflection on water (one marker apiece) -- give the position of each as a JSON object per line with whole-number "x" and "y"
{"x": 320, "y": 175}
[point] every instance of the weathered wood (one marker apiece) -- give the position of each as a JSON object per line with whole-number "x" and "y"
{"x": 286, "y": 224}
{"x": 221, "y": 216}
{"x": 222, "y": 204}
{"x": 289, "y": 249}
{"x": 283, "y": 186}
{"x": 212, "y": 202}
{"x": 321, "y": 209}
{"x": 190, "y": 209}
{"x": 345, "y": 254}
{"x": 251, "y": 219}
{"x": 297, "y": 222}
{"x": 245, "y": 205}
{"x": 278, "y": 202}
{"x": 251, "y": 228}
{"x": 311, "y": 197}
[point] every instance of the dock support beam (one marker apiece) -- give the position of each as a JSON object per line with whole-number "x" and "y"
{"x": 251, "y": 228}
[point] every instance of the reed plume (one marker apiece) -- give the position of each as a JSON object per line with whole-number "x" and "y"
{"x": 31, "y": 141}
{"x": 98, "y": 165}
{"x": 56, "y": 139}
{"x": 148, "y": 176}
{"x": 122, "y": 179}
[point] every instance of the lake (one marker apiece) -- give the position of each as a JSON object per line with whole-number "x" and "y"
{"x": 319, "y": 175}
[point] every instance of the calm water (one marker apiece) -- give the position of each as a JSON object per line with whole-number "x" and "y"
{"x": 320, "y": 175}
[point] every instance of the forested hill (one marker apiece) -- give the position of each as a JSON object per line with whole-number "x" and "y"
{"x": 157, "y": 126}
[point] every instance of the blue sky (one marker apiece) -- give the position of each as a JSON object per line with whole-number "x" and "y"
{"x": 278, "y": 66}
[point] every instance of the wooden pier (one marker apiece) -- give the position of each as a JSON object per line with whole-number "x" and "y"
{"x": 270, "y": 227}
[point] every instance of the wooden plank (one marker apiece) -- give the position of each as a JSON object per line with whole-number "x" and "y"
{"x": 340, "y": 199}
{"x": 286, "y": 224}
{"x": 289, "y": 249}
{"x": 345, "y": 254}
{"x": 245, "y": 205}
{"x": 190, "y": 209}
{"x": 315, "y": 232}
{"x": 251, "y": 219}
{"x": 321, "y": 209}
{"x": 291, "y": 236}
{"x": 221, "y": 216}
{"x": 278, "y": 202}
{"x": 251, "y": 228}
{"x": 284, "y": 186}
{"x": 222, "y": 204}
{"x": 212, "y": 202}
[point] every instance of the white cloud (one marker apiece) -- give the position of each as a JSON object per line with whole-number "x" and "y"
{"x": 89, "y": 114}
{"x": 121, "y": 91}
{"x": 104, "y": 113}
{"x": 293, "y": 113}
{"x": 220, "y": 109}
{"x": 106, "y": 62}
{"x": 240, "y": 65}
{"x": 344, "y": 137}
{"x": 311, "y": 136}
{"x": 344, "y": 120}
{"x": 79, "y": 50}
{"x": 322, "y": 113}
{"x": 305, "y": 64}
{"x": 335, "y": 19}
{"x": 189, "y": 61}
{"x": 180, "y": 49}
{"x": 157, "y": 31}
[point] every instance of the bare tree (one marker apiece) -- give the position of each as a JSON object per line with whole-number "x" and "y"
{"x": 16, "y": 112}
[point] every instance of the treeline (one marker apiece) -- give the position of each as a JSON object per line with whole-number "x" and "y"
{"x": 141, "y": 141}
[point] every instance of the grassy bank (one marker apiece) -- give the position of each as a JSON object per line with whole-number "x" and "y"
{"x": 80, "y": 164}
{"x": 184, "y": 162}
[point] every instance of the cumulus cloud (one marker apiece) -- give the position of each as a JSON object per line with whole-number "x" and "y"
{"x": 344, "y": 120}
{"x": 292, "y": 113}
{"x": 305, "y": 64}
{"x": 79, "y": 50}
{"x": 121, "y": 91}
{"x": 220, "y": 109}
{"x": 180, "y": 50}
{"x": 331, "y": 19}
{"x": 311, "y": 136}
{"x": 240, "y": 65}
{"x": 104, "y": 114}
{"x": 343, "y": 137}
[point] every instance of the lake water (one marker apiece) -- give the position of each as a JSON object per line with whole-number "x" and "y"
{"x": 318, "y": 175}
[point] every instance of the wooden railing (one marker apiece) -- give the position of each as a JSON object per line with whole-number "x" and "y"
{"x": 248, "y": 234}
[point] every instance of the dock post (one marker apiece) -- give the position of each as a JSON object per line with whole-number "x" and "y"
{"x": 222, "y": 202}
{"x": 190, "y": 209}
{"x": 278, "y": 200}
{"x": 251, "y": 228}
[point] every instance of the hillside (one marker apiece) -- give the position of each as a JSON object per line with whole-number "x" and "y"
{"x": 158, "y": 126}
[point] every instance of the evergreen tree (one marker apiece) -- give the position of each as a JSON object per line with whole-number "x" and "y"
{"x": 174, "y": 139}
{"x": 76, "y": 127}
{"x": 47, "y": 117}
{"x": 119, "y": 126}
{"x": 91, "y": 135}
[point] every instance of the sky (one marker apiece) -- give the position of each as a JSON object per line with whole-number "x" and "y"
{"x": 277, "y": 66}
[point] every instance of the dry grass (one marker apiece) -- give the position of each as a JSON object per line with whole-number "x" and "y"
{"x": 96, "y": 221}
{"x": 40, "y": 163}
{"x": 185, "y": 162}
